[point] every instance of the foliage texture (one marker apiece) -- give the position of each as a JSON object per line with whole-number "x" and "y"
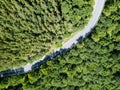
{"x": 93, "y": 64}
{"x": 31, "y": 28}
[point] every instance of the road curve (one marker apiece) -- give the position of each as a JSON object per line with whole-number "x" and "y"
{"x": 98, "y": 7}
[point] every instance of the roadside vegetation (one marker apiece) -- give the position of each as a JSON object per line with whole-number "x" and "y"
{"x": 93, "y": 64}
{"x": 30, "y": 29}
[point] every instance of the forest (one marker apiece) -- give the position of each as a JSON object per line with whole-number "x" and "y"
{"x": 30, "y": 29}
{"x": 94, "y": 64}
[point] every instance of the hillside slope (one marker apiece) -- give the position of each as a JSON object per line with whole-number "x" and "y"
{"x": 93, "y": 64}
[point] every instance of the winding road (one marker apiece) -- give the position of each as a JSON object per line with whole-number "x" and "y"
{"x": 98, "y": 7}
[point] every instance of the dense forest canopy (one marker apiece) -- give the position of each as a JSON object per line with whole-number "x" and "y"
{"x": 93, "y": 64}
{"x": 31, "y": 28}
